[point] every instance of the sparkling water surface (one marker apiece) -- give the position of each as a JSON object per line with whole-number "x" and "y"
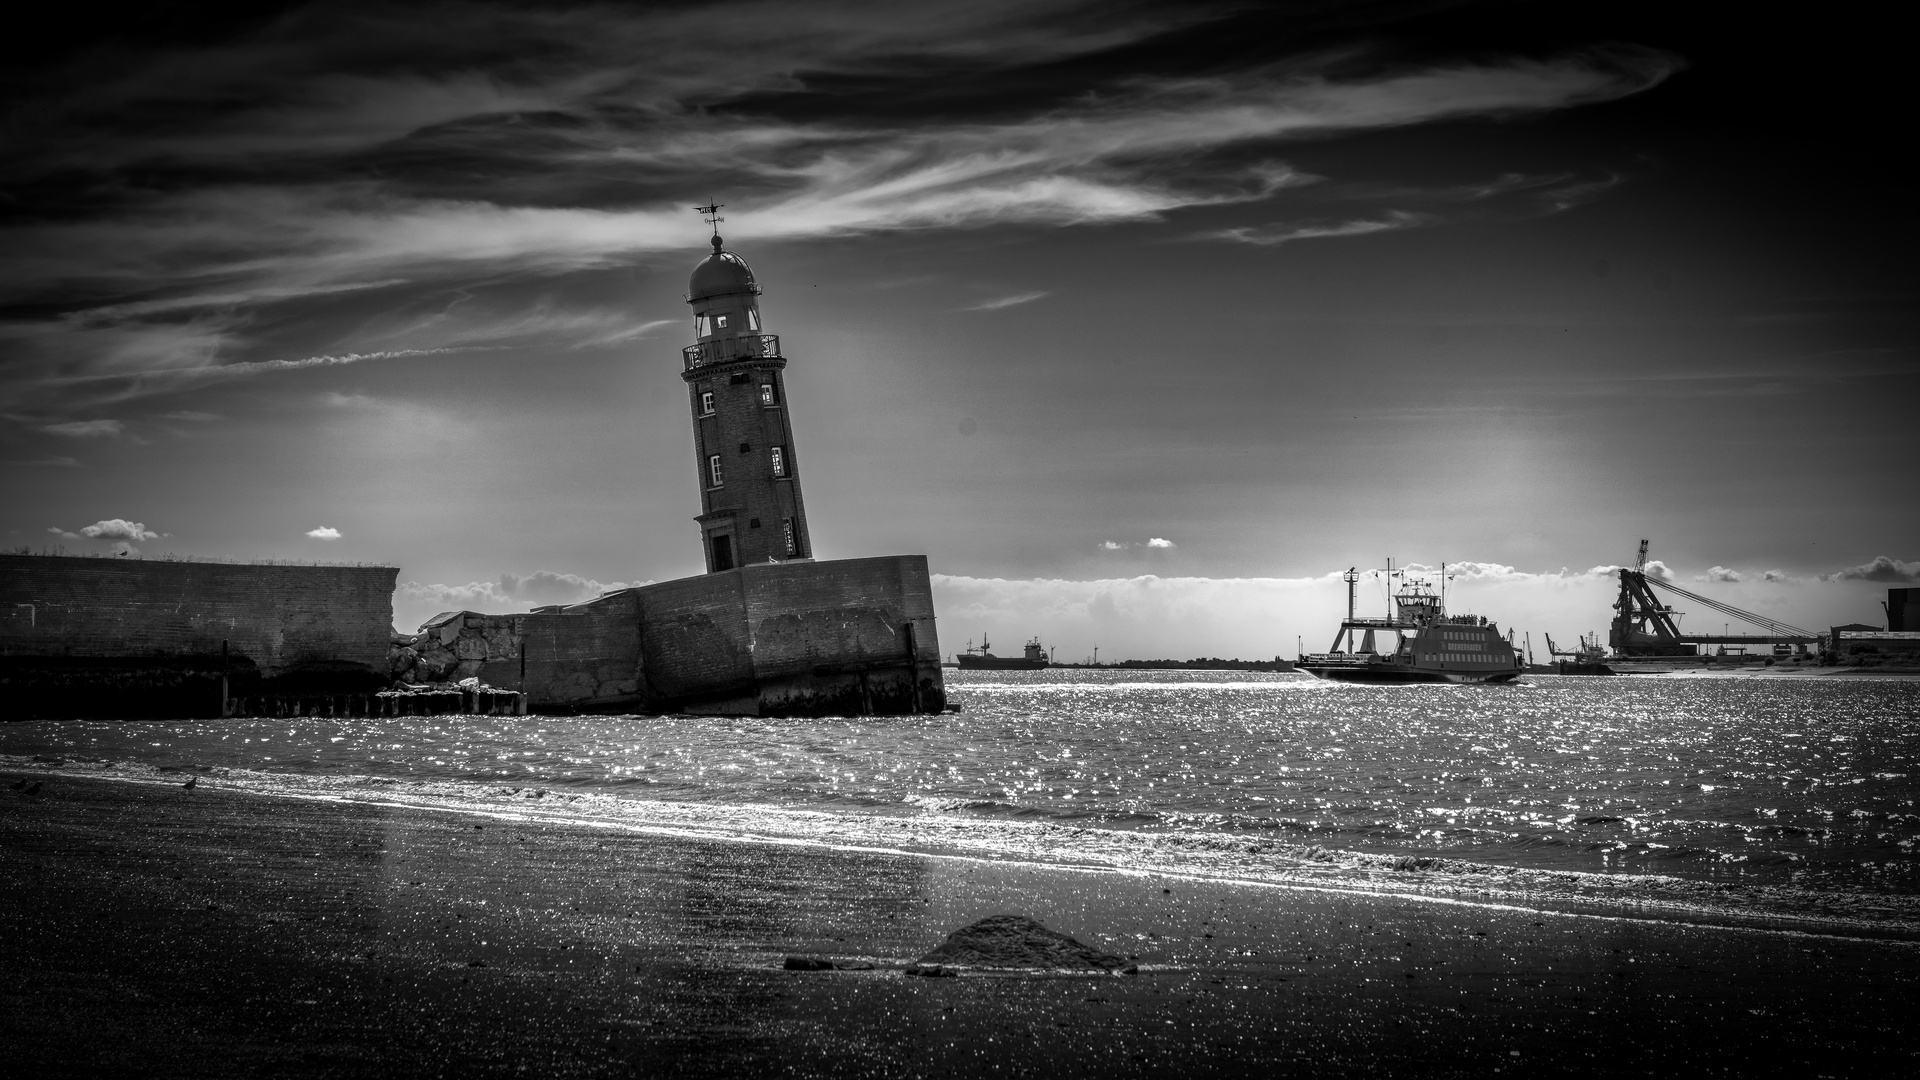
{"x": 1803, "y": 781}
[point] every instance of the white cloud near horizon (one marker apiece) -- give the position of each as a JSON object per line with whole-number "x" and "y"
{"x": 109, "y": 529}
{"x": 1154, "y": 617}
{"x": 414, "y": 603}
{"x": 324, "y": 532}
{"x": 1882, "y": 569}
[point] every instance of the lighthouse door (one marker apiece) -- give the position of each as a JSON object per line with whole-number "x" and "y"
{"x": 723, "y": 552}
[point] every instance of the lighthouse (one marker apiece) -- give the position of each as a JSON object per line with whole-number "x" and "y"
{"x": 751, "y": 511}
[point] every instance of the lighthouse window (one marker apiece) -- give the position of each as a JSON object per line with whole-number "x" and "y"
{"x": 793, "y": 541}
{"x": 779, "y": 461}
{"x": 702, "y": 325}
{"x": 713, "y": 469}
{"x": 753, "y": 319}
{"x": 719, "y": 322}
{"x": 766, "y": 394}
{"x": 706, "y": 403}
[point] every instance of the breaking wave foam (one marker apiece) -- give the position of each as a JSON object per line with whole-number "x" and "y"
{"x": 937, "y": 830}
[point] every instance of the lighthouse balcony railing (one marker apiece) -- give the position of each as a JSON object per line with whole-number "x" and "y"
{"x": 738, "y": 347}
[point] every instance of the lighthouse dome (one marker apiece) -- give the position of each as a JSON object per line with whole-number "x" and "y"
{"x": 721, "y": 273}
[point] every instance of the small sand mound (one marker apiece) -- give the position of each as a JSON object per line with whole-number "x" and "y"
{"x": 1015, "y": 941}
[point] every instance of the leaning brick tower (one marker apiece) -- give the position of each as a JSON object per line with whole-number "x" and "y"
{"x": 749, "y": 475}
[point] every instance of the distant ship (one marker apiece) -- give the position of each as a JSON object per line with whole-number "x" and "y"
{"x": 1589, "y": 659}
{"x": 1425, "y": 645}
{"x": 1036, "y": 657}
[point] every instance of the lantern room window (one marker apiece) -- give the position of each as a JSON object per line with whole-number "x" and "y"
{"x": 719, "y": 322}
{"x": 702, "y": 325}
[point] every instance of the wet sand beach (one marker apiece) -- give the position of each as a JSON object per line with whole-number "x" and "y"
{"x": 154, "y": 931}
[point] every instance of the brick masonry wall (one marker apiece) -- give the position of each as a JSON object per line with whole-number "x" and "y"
{"x": 282, "y": 618}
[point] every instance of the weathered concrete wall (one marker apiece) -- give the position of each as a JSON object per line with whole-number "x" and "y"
{"x": 584, "y": 658}
{"x": 845, "y": 637}
{"x": 849, "y": 637}
{"x": 143, "y": 637}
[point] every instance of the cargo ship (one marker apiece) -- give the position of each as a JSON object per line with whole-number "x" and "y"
{"x": 1417, "y": 641}
{"x": 981, "y": 659}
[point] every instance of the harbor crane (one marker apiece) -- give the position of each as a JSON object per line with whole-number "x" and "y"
{"x": 1644, "y": 626}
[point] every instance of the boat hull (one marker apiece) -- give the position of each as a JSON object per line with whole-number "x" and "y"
{"x": 1393, "y": 673}
{"x": 999, "y": 663}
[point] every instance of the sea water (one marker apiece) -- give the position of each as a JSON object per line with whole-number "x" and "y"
{"x": 1805, "y": 786}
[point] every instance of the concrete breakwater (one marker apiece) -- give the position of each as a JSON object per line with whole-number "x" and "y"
{"x": 136, "y": 638}
{"x": 846, "y": 637}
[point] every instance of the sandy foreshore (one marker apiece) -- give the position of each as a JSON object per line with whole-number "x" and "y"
{"x": 152, "y": 931}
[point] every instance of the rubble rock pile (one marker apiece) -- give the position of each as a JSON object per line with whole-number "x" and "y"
{"x": 452, "y": 646}
{"x": 1016, "y": 942}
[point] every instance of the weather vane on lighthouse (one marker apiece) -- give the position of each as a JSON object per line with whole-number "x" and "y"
{"x": 710, "y": 214}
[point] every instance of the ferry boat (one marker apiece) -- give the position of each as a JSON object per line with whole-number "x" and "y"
{"x": 1416, "y": 642}
{"x": 980, "y": 658}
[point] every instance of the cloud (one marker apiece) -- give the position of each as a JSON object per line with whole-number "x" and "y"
{"x": 1719, "y": 573}
{"x": 58, "y": 531}
{"x": 324, "y": 532}
{"x": 1280, "y": 232}
{"x": 49, "y": 462}
{"x": 85, "y": 429}
{"x": 546, "y": 587}
{"x": 279, "y": 169}
{"x": 118, "y": 529}
{"x": 1007, "y": 301}
{"x": 189, "y": 416}
{"x": 1882, "y": 568}
{"x": 414, "y": 602}
{"x": 1511, "y": 196}
{"x": 1775, "y": 575}
{"x": 1153, "y": 543}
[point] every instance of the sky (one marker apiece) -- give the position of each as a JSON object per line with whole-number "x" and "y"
{"x": 1141, "y": 321}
